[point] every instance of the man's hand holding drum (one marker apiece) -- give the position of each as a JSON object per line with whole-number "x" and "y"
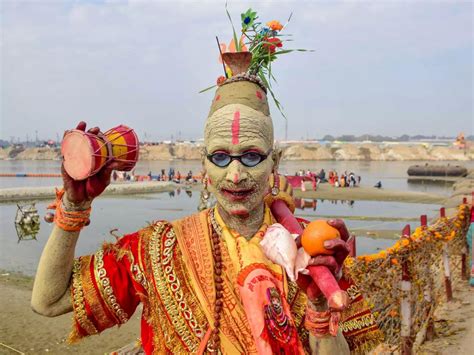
{"x": 73, "y": 202}
{"x": 84, "y": 191}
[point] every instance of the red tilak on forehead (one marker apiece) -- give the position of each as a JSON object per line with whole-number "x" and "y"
{"x": 236, "y": 127}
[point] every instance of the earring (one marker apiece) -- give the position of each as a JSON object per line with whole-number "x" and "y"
{"x": 276, "y": 184}
{"x": 205, "y": 192}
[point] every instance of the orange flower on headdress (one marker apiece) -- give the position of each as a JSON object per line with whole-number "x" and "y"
{"x": 275, "y": 25}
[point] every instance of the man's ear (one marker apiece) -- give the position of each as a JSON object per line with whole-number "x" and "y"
{"x": 276, "y": 155}
{"x": 203, "y": 152}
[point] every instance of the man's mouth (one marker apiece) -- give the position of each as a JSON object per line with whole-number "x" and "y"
{"x": 237, "y": 194}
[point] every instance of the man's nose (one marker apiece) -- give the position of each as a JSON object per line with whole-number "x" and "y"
{"x": 236, "y": 172}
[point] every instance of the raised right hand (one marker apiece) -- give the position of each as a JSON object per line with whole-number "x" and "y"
{"x": 84, "y": 191}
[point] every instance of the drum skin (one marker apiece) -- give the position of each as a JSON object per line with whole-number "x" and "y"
{"x": 84, "y": 154}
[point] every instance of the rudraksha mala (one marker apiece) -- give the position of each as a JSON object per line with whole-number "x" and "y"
{"x": 214, "y": 341}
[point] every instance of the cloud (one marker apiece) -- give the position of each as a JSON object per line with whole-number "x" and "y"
{"x": 143, "y": 62}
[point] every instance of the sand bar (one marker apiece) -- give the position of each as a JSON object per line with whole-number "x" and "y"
{"x": 328, "y": 192}
{"x": 48, "y": 192}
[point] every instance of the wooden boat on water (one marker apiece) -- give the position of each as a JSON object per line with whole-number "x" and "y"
{"x": 437, "y": 170}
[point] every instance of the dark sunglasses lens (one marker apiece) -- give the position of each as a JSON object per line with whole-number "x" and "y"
{"x": 220, "y": 159}
{"x": 251, "y": 159}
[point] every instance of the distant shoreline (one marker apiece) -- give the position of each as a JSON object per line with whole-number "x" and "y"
{"x": 290, "y": 152}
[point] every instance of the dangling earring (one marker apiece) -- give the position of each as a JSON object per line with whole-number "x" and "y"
{"x": 205, "y": 192}
{"x": 276, "y": 184}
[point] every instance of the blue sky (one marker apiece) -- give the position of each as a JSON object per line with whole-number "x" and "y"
{"x": 379, "y": 67}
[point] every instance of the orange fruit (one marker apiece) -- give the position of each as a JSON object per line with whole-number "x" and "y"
{"x": 314, "y": 236}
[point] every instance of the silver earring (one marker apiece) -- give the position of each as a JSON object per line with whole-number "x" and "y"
{"x": 205, "y": 192}
{"x": 276, "y": 183}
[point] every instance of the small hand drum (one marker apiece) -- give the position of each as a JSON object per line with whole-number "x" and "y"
{"x": 85, "y": 154}
{"x": 124, "y": 143}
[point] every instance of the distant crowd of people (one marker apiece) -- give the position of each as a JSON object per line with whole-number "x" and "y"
{"x": 345, "y": 179}
{"x": 332, "y": 177}
{"x": 172, "y": 175}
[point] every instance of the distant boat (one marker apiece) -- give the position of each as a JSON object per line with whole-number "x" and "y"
{"x": 437, "y": 170}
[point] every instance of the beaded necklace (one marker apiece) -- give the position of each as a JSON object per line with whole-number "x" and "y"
{"x": 213, "y": 345}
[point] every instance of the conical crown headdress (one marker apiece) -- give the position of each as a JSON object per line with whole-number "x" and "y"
{"x": 242, "y": 89}
{"x": 247, "y": 65}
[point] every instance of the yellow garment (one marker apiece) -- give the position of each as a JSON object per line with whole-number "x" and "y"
{"x": 249, "y": 261}
{"x": 244, "y": 252}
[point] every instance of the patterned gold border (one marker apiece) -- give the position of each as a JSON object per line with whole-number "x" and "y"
{"x": 79, "y": 301}
{"x": 358, "y": 323}
{"x": 169, "y": 290}
{"x": 103, "y": 283}
{"x": 91, "y": 295}
{"x": 152, "y": 309}
{"x": 297, "y": 301}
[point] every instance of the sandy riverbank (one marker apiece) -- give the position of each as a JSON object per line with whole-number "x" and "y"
{"x": 30, "y": 333}
{"x": 388, "y": 151}
{"x": 463, "y": 188}
{"x": 328, "y": 192}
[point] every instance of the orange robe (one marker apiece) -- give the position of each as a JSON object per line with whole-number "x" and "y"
{"x": 168, "y": 267}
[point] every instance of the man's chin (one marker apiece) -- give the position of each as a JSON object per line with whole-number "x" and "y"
{"x": 240, "y": 212}
{"x": 235, "y": 209}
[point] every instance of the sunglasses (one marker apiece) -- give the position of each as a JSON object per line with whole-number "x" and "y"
{"x": 249, "y": 159}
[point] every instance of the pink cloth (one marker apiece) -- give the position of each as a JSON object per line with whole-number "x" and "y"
{"x": 266, "y": 308}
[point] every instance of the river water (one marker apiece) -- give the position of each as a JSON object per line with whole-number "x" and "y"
{"x": 130, "y": 213}
{"x": 392, "y": 174}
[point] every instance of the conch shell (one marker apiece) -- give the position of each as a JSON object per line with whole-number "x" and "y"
{"x": 279, "y": 246}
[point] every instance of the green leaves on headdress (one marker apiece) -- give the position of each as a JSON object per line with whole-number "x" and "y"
{"x": 248, "y": 19}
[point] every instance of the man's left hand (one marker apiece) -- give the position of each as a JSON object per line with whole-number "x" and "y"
{"x": 340, "y": 247}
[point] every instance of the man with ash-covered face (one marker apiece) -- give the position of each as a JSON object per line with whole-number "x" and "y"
{"x": 189, "y": 274}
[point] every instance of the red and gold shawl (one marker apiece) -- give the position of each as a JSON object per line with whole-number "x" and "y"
{"x": 168, "y": 267}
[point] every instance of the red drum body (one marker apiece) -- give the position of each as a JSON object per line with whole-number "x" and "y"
{"x": 84, "y": 154}
{"x": 124, "y": 145}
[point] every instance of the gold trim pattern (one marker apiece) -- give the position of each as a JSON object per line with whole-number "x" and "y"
{"x": 103, "y": 282}
{"x": 199, "y": 323}
{"x": 91, "y": 296}
{"x": 153, "y": 308}
{"x": 358, "y": 323}
{"x": 135, "y": 269}
{"x": 353, "y": 292}
{"x": 297, "y": 301}
{"x": 79, "y": 306}
{"x": 169, "y": 289}
{"x": 355, "y": 309}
